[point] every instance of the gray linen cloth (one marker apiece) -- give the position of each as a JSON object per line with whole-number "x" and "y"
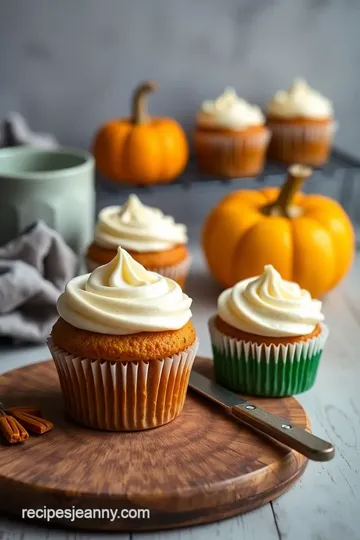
{"x": 14, "y": 131}
{"x": 34, "y": 269}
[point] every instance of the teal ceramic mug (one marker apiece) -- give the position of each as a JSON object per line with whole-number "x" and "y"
{"x": 56, "y": 186}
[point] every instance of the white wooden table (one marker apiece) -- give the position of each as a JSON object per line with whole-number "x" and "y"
{"x": 325, "y": 503}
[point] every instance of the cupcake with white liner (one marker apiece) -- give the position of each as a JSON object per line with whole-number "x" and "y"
{"x": 230, "y": 137}
{"x": 267, "y": 337}
{"x": 152, "y": 238}
{"x": 123, "y": 347}
{"x": 302, "y": 124}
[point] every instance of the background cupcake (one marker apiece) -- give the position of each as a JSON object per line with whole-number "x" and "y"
{"x": 152, "y": 239}
{"x": 302, "y": 125}
{"x": 267, "y": 336}
{"x": 123, "y": 347}
{"x": 230, "y": 137}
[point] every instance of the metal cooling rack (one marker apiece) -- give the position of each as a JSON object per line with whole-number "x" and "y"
{"x": 341, "y": 169}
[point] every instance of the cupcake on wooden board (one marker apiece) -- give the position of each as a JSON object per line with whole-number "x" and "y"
{"x": 267, "y": 337}
{"x": 123, "y": 347}
{"x": 302, "y": 124}
{"x": 153, "y": 239}
{"x": 230, "y": 137}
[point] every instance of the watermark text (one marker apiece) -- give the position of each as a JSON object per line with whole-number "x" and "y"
{"x": 73, "y": 513}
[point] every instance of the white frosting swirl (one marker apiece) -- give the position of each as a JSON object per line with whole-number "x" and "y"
{"x": 229, "y": 111}
{"x": 300, "y": 101}
{"x": 137, "y": 227}
{"x": 269, "y": 306}
{"x": 123, "y": 298}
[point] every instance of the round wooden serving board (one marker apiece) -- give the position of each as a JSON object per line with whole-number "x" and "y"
{"x": 202, "y": 467}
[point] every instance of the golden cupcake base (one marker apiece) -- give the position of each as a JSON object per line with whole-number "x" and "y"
{"x": 299, "y": 140}
{"x": 231, "y": 154}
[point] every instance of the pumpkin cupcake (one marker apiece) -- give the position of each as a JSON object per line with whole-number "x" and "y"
{"x": 267, "y": 337}
{"x": 230, "y": 137}
{"x": 123, "y": 347}
{"x": 302, "y": 125}
{"x": 153, "y": 239}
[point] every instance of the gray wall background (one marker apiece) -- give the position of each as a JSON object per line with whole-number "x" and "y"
{"x": 68, "y": 65}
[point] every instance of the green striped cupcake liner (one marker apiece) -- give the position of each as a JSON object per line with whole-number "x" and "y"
{"x": 266, "y": 370}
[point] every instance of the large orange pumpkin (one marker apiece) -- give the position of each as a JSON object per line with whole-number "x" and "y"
{"x": 141, "y": 149}
{"x": 309, "y": 239}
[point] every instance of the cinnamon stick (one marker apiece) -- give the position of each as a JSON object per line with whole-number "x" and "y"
{"x": 30, "y": 409}
{"x": 12, "y": 430}
{"x": 32, "y": 422}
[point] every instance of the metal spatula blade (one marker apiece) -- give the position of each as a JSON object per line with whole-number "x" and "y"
{"x": 295, "y": 437}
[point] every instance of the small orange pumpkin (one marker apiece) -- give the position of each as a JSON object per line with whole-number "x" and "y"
{"x": 309, "y": 239}
{"x": 141, "y": 149}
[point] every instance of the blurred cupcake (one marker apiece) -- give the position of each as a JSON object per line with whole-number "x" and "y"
{"x": 152, "y": 239}
{"x": 267, "y": 337}
{"x": 230, "y": 137}
{"x": 123, "y": 347}
{"x": 302, "y": 125}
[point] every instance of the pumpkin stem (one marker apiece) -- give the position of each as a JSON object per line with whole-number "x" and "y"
{"x": 139, "y": 110}
{"x": 297, "y": 174}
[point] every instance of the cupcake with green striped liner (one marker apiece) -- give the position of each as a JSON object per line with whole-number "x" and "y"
{"x": 267, "y": 336}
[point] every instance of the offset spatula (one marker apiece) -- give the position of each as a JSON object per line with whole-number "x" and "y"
{"x": 295, "y": 437}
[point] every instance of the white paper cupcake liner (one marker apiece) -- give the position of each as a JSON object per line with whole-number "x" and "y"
{"x": 290, "y": 143}
{"x": 267, "y": 370}
{"x": 123, "y": 396}
{"x": 175, "y": 272}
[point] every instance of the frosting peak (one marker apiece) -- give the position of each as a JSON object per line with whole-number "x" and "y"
{"x": 133, "y": 209}
{"x": 300, "y": 100}
{"x": 122, "y": 271}
{"x": 229, "y": 111}
{"x": 269, "y": 306}
{"x": 122, "y": 298}
{"x": 138, "y": 227}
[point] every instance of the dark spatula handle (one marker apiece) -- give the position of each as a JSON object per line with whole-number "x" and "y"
{"x": 296, "y": 438}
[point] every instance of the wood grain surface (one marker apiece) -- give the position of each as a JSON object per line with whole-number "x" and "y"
{"x": 324, "y": 503}
{"x": 202, "y": 467}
